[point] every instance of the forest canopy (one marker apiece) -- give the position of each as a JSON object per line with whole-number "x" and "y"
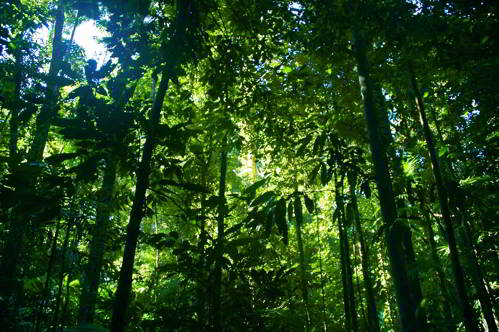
{"x": 249, "y": 165}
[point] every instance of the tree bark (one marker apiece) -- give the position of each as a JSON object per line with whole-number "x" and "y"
{"x": 303, "y": 267}
{"x": 91, "y": 278}
{"x": 393, "y": 234}
{"x": 17, "y": 228}
{"x": 119, "y": 318}
{"x": 372, "y": 314}
{"x": 470, "y": 321}
{"x": 222, "y": 211}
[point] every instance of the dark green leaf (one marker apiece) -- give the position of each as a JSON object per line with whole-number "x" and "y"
{"x": 58, "y": 158}
{"x": 319, "y": 145}
{"x": 262, "y": 198}
{"x": 313, "y": 175}
{"x": 269, "y": 222}
{"x": 280, "y": 220}
{"x": 303, "y": 145}
{"x": 309, "y": 204}
{"x": 290, "y": 210}
{"x": 325, "y": 175}
{"x": 251, "y": 190}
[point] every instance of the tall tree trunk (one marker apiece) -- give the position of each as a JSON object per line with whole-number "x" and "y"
{"x": 91, "y": 278}
{"x": 15, "y": 242}
{"x": 49, "y": 107}
{"x": 303, "y": 267}
{"x": 393, "y": 235}
{"x": 55, "y": 319}
{"x": 14, "y": 112}
{"x": 50, "y": 265}
{"x": 119, "y": 318}
{"x": 469, "y": 318}
{"x": 372, "y": 314}
{"x": 447, "y": 309}
{"x": 222, "y": 212}
{"x": 347, "y": 280}
{"x": 202, "y": 282}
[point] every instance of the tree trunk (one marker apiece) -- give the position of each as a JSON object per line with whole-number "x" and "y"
{"x": 222, "y": 212}
{"x": 91, "y": 278}
{"x": 372, "y": 314}
{"x": 17, "y": 228}
{"x": 46, "y": 286}
{"x": 49, "y": 108}
{"x": 346, "y": 265}
{"x": 470, "y": 321}
{"x": 55, "y": 320}
{"x": 447, "y": 309}
{"x": 393, "y": 235}
{"x": 303, "y": 267}
{"x": 119, "y": 319}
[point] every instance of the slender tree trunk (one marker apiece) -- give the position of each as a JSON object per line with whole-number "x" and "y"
{"x": 15, "y": 242}
{"x": 49, "y": 108}
{"x": 222, "y": 212}
{"x": 348, "y": 289}
{"x": 470, "y": 321}
{"x": 46, "y": 286}
{"x": 91, "y": 278}
{"x": 55, "y": 320}
{"x": 14, "y": 113}
{"x": 447, "y": 309}
{"x": 119, "y": 318}
{"x": 303, "y": 267}
{"x": 393, "y": 236}
{"x": 372, "y": 314}
{"x": 202, "y": 286}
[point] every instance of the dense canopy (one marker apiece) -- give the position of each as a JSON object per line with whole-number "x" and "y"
{"x": 249, "y": 165}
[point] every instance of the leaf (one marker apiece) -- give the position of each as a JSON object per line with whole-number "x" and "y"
{"x": 290, "y": 210}
{"x": 280, "y": 220}
{"x": 251, "y": 190}
{"x": 366, "y": 189}
{"x": 303, "y": 145}
{"x": 286, "y": 69}
{"x": 269, "y": 222}
{"x": 185, "y": 185}
{"x": 85, "y": 93}
{"x": 313, "y": 175}
{"x": 58, "y": 158}
{"x": 325, "y": 175}
{"x": 298, "y": 211}
{"x": 263, "y": 198}
{"x": 319, "y": 145}
{"x": 309, "y": 204}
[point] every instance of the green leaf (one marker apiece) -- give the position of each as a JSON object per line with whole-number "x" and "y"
{"x": 286, "y": 69}
{"x": 298, "y": 211}
{"x": 318, "y": 145}
{"x": 251, "y": 190}
{"x": 58, "y": 158}
{"x": 290, "y": 210}
{"x": 325, "y": 175}
{"x": 263, "y": 198}
{"x": 269, "y": 222}
{"x": 303, "y": 145}
{"x": 280, "y": 220}
{"x": 309, "y": 204}
{"x": 313, "y": 175}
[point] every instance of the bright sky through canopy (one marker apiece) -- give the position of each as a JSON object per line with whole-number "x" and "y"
{"x": 86, "y": 36}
